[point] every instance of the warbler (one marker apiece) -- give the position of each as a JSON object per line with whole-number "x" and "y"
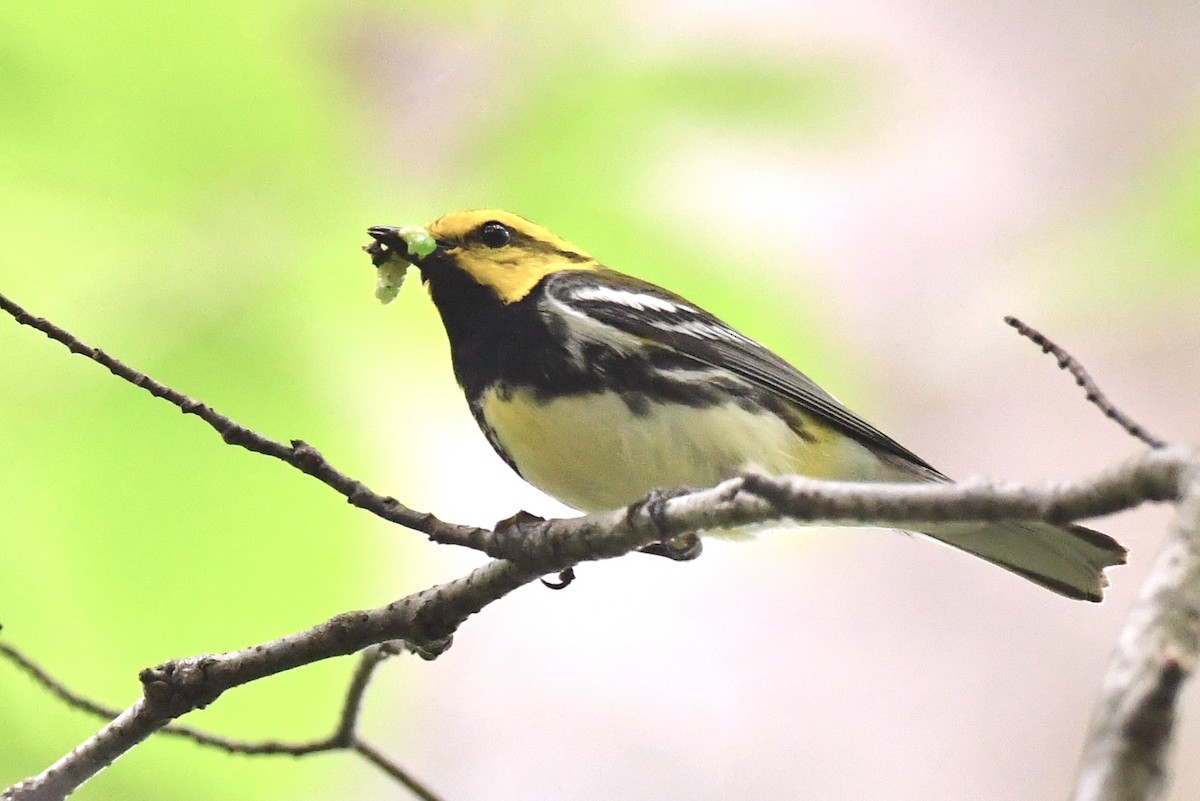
{"x": 597, "y": 388}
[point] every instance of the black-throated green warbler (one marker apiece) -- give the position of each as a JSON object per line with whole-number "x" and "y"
{"x": 597, "y": 388}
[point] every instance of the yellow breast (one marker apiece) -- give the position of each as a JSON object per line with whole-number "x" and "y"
{"x": 594, "y": 453}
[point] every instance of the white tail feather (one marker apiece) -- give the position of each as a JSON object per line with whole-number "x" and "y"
{"x": 1069, "y": 560}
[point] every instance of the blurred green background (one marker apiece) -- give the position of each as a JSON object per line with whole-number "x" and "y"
{"x": 866, "y": 189}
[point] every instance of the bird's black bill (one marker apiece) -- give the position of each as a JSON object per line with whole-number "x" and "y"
{"x": 386, "y": 239}
{"x": 408, "y": 244}
{"x": 385, "y": 234}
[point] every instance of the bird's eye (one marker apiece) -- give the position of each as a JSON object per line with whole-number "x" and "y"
{"x": 494, "y": 234}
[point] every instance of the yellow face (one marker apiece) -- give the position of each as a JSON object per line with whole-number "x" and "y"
{"x": 510, "y": 266}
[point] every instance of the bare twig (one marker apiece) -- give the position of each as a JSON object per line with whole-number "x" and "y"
{"x": 298, "y": 454}
{"x": 379, "y": 760}
{"x": 1069, "y": 363}
{"x": 176, "y": 688}
{"x": 344, "y": 736}
{"x": 54, "y": 686}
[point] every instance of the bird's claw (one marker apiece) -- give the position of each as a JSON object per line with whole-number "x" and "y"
{"x": 565, "y": 577}
{"x": 683, "y": 548}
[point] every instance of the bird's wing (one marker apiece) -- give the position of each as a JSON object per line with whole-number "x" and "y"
{"x": 637, "y": 309}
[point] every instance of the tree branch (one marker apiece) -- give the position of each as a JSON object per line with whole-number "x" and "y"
{"x": 298, "y": 454}
{"x": 427, "y": 620}
{"x": 527, "y": 548}
{"x": 1126, "y": 754}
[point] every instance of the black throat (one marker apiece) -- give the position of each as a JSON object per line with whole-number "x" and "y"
{"x": 492, "y": 343}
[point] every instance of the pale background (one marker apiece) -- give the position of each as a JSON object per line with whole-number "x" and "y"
{"x": 866, "y": 187}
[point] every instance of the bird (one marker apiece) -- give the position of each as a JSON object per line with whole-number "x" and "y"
{"x": 599, "y": 388}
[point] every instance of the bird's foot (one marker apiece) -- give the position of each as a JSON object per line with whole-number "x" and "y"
{"x": 510, "y": 527}
{"x": 681, "y": 547}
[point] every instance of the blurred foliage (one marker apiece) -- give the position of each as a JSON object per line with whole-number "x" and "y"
{"x": 187, "y": 186}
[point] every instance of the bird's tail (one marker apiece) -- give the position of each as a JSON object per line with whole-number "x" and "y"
{"x": 1069, "y": 560}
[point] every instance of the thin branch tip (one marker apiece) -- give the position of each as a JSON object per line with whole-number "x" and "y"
{"x": 1092, "y": 392}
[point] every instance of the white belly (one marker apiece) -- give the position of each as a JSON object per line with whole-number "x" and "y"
{"x": 593, "y": 453}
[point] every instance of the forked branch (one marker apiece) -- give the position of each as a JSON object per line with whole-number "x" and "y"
{"x": 426, "y": 621}
{"x": 344, "y": 736}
